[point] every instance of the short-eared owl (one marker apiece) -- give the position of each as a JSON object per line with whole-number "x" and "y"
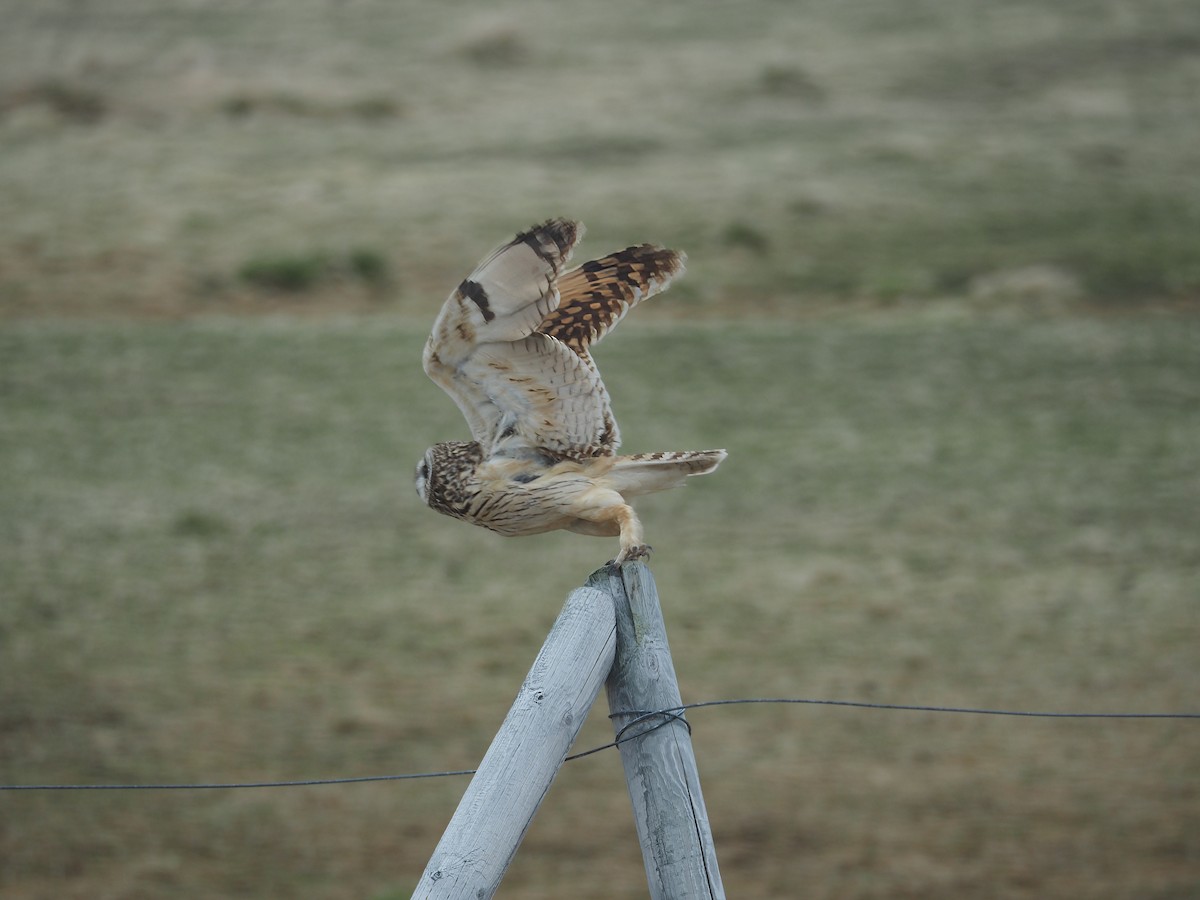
{"x": 511, "y": 347}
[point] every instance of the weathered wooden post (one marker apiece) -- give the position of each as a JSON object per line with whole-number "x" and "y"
{"x": 516, "y": 772}
{"x": 611, "y": 628}
{"x": 660, "y": 767}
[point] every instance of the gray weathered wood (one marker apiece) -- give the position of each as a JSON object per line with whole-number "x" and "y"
{"x": 660, "y": 767}
{"x": 516, "y": 772}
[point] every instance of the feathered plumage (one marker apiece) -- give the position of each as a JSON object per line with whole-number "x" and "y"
{"x": 511, "y": 346}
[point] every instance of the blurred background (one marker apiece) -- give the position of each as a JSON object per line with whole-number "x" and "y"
{"x": 942, "y": 307}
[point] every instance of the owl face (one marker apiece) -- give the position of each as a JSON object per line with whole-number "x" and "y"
{"x": 424, "y": 471}
{"x": 444, "y": 475}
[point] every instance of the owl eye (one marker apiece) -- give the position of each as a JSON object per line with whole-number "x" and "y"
{"x": 421, "y": 483}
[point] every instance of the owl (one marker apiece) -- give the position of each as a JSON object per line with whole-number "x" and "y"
{"x": 511, "y": 346}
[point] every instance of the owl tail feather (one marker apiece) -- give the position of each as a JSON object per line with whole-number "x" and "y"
{"x": 646, "y": 473}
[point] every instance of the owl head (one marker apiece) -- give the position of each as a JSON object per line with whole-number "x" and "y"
{"x": 443, "y": 475}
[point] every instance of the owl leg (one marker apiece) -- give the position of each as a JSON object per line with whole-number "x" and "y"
{"x": 633, "y": 546}
{"x": 605, "y": 513}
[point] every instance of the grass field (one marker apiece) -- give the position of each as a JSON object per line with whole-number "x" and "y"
{"x": 215, "y": 569}
{"x": 165, "y": 158}
{"x": 941, "y": 307}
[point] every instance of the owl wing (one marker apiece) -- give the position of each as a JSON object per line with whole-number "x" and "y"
{"x": 594, "y": 297}
{"x": 511, "y": 343}
{"x": 502, "y": 301}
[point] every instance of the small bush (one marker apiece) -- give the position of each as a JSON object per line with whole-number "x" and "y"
{"x": 71, "y": 102}
{"x": 374, "y": 107}
{"x": 193, "y": 523}
{"x": 368, "y": 266}
{"x": 302, "y": 272}
{"x": 289, "y": 274}
{"x": 782, "y": 80}
{"x": 499, "y": 46}
{"x": 746, "y": 237}
{"x": 368, "y": 108}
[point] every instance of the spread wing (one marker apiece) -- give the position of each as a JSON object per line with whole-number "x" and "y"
{"x": 511, "y": 343}
{"x": 596, "y": 295}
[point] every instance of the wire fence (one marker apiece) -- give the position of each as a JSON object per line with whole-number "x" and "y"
{"x": 652, "y": 719}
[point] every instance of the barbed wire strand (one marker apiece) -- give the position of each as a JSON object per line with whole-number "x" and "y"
{"x": 666, "y": 717}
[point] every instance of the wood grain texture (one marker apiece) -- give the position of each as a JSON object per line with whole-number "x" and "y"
{"x": 519, "y": 766}
{"x": 660, "y": 766}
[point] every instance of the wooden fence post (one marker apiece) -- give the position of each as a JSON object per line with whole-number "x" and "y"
{"x": 660, "y": 767}
{"x": 515, "y": 774}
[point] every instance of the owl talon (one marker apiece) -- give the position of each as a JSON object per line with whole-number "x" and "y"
{"x": 635, "y": 552}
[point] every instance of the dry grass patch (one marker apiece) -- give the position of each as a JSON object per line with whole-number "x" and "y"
{"x": 215, "y": 568}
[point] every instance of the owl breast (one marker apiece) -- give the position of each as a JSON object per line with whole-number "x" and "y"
{"x": 519, "y": 497}
{"x": 522, "y": 509}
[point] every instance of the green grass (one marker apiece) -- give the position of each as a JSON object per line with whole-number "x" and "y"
{"x": 939, "y": 307}
{"x": 801, "y": 155}
{"x": 215, "y": 568}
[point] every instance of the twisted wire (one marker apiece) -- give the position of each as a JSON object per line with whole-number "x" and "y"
{"x": 640, "y": 717}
